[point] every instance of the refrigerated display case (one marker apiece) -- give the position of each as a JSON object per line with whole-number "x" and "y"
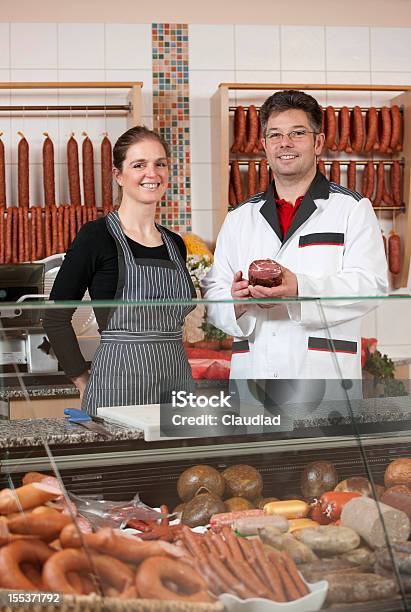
{"x": 359, "y": 425}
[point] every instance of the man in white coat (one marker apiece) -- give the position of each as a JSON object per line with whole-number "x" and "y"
{"x": 326, "y": 239}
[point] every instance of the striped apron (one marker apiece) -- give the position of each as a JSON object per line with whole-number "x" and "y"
{"x": 141, "y": 357}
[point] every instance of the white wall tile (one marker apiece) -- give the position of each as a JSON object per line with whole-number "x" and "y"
{"x": 299, "y": 77}
{"x": 203, "y": 84}
{"x": 201, "y": 196}
{"x": 4, "y": 45}
{"x": 348, "y": 98}
{"x": 394, "y": 323}
{"x": 302, "y": 48}
{"x": 379, "y": 98}
{"x": 33, "y": 45}
{"x": 6, "y": 137}
{"x": 200, "y": 131}
{"x": 146, "y": 76}
{"x": 82, "y": 96}
{"x": 128, "y": 45}
{"x": 81, "y": 45}
{"x": 211, "y": 47}
{"x": 347, "y": 48}
{"x": 33, "y": 129}
{"x": 257, "y": 47}
{"x": 390, "y": 49}
{"x": 255, "y": 76}
{"x": 34, "y": 96}
{"x": 202, "y": 223}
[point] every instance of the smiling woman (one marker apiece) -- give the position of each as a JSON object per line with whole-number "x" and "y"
{"x": 129, "y": 257}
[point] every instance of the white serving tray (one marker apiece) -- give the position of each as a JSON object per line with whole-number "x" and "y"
{"x": 145, "y": 418}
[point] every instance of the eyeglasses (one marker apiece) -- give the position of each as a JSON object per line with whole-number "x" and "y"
{"x": 293, "y": 135}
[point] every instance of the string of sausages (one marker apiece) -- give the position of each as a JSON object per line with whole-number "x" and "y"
{"x": 30, "y": 233}
{"x": 350, "y": 130}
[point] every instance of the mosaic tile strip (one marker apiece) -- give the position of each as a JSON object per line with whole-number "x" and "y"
{"x": 171, "y": 117}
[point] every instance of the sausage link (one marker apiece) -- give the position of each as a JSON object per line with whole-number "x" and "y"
{"x": 260, "y": 136}
{"x": 395, "y": 176}
{"x": 238, "y": 185}
{"x": 90, "y": 213}
{"x": 2, "y": 235}
{"x": 84, "y": 215}
{"x": 79, "y": 222}
{"x": 239, "y": 130}
{"x": 66, "y": 228}
{"x": 26, "y": 230}
{"x": 371, "y": 122}
{"x": 331, "y": 129}
{"x": 106, "y": 173}
{"x": 88, "y": 172}
{"x": 23, "y": 172}
{"x": 33, "y": 234}
{"x": 370, "y": 169}
{"x": 54, "y": 229}
{"x": 351, "y": 175}
{"x": 252, "y": 178}
{"x": 263, "y": 176}
{"x": 344, "y": 128}
{"x": 73, "y": 171}
{"x": 335, "y": 172}
{"x": 231, "y": 193}
{"x": 47, "y": 230}
{"x": 385, "y": 129}
{"x": 380, "y": 184}
{"x": 321, "y": 167}
{"x": 395, "y": 127}
{"x": 394, "y": 253}
{"x": 15, "y": 237}
{"x": 39, "y": 227}
{"x": 48, "y": 171}
{"x": 357, "y": 127}
{"x": 2, "y": 173}
{"x": 9, "y": 227}
{"x": 60, "y": 229}
{"x": 72, "y": 212}
{"x": 20, "y": 234}
{"x": 252, "y": 129}
{"x": 94, "y": 213}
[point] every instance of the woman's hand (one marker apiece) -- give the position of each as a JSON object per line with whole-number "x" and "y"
{"x": 81, "y": 382}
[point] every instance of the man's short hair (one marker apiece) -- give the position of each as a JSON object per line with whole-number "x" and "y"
{"x": 289, "y": 99}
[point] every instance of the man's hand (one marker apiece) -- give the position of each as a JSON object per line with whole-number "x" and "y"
{"x": 239, "y": 291}
{"x": 288, "y": 288}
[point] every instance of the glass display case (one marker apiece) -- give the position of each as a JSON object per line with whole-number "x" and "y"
{"x": 311, "y": 394}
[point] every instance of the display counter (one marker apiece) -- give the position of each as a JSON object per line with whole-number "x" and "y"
{"x": 359, "y": 426}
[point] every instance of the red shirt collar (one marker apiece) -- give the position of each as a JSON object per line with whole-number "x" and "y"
{"x": 282, "y": 202}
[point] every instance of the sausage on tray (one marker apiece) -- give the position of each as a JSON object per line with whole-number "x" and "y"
{"x": 358, "y": 587}
{"x": 2, "y": 173}
{"x": 394, "y": 253}
{"x": 48, "y": 171}
{"x": 88, "y": 172}
{"x": 239, "y": 130}
{"x": 23, "y": 172}
{"x": 73, "y": 171}
{"x": 106, "y": 173}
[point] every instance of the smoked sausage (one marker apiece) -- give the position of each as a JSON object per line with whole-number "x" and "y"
{"x": 252, "y": 178}
{"x": 20, "y": 234}
{"x": 47, "y": 230}
{"x": 344, "y": 128}
{"x": 2, "y": 235}
{"x": 73, "y": 171}
{"x": 14, "y": 244}
{"x": 335, "y": 172}
{"x": 371, "y": 121}
{"x": 321, "y": 167}
{"x": 106, "y": 174}
{"x": 23, "y": 172}
{"x": 395, "y": 176}
{"x": 394, "y": 253}
{"x": 26, "y": 234}
{"x": 2, "y": 173}
{"x": 60, "y": 229}
{"x": 368, "y": 180}
{"x": 385, "y": 129}
{"x": 33, "y": 234}
{"x": 237, "y": 182}
{"x": 9, "y": 224}
{"x": 48, "y": 171}
{"x": 239, "y": 130}
{"x": 380, "y": 184}
{"x": 357, "y": 130}
{"x": 252, "y": 130}
{"x": 54, "y": 229}
{"x": 39, "y": 228}
{"x": 72, "y": 212}
{"x": 66, "y": 228}
{"x": 263, "y": 176}
{"x": 351, "y": 175}
{"x": 88, "y": 172}
{"x": 331, "y": 128}
{"x": 395, "y": 127}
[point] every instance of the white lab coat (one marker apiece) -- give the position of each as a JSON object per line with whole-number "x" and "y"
{"x": 334, "y": 247}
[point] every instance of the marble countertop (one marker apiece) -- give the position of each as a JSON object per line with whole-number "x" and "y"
{"x": 34, "y": 432}
{"x": 38, "y": 391}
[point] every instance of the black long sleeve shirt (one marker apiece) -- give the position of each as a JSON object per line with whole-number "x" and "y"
{"x": 91, "y": 263}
